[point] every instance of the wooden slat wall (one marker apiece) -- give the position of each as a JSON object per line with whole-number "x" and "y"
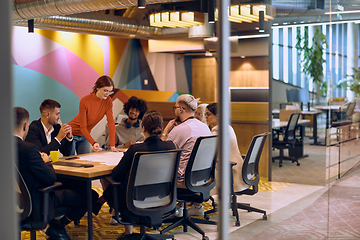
{"x": 249, "y": 72}
{"x": 248, "y": 120}
{"x": 204, "y": 75}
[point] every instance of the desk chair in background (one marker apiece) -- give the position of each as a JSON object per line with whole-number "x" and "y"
{"x": 151, "y": 191}
{"x": 24, "y": 207}
{"x": 199, "y": 180}
{"x": 344, "y": 117}
{"x": 286, "y": 139}
{"x": 250, "y": 176}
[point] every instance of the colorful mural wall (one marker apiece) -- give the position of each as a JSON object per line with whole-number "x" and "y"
{"x": 64, "y": 66}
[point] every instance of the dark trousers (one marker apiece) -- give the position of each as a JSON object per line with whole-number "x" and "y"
{"x": 76, "y": 200}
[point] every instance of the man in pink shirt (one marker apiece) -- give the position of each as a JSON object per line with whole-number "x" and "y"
{"x": 183, "y": 132}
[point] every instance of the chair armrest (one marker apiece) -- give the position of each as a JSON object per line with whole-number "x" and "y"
{"x": 50, "y": 188}
{"x": 45, "y": 196}
{"x": 111, "y": 181}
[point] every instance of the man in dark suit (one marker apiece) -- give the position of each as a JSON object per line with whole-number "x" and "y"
{"x": 37, "y": 171}
{"x": 47, "y": 133}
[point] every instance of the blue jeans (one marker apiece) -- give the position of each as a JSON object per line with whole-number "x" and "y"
{"x": 80, "y": 144}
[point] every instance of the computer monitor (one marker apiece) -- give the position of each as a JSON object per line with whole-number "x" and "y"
{"x": 249, "y": 94}
{"x": 297, "y": 95}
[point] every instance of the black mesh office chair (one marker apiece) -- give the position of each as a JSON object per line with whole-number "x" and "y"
{"x": 151, "y": 191}
{"x": 24, "y": 207}
{"x": 288, "y": 139}
{"x": 199, "y": 180}
{"x": 250, "y": 176}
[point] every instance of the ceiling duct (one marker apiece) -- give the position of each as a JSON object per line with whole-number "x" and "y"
{"x": 97, "y": 23}
{"x": 29, "y": 9}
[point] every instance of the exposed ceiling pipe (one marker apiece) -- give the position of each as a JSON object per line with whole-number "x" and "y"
{"x": 29, "y": 9}
{"x": 97, "y": 23}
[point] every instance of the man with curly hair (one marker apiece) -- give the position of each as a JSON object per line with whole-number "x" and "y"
{"x": 129, "y": 131}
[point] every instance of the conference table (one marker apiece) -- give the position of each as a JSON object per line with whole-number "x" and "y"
{"x": 103, "y": 162}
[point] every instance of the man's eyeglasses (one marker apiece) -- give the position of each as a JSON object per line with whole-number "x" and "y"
{"x": 174, "y": 108}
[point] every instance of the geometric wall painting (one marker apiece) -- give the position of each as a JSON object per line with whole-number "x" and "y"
{"x": 136, "y": 73}
{"x": 31, "y": 88}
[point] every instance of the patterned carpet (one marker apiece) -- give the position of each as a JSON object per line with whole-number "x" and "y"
{"x": 102, "y": 230}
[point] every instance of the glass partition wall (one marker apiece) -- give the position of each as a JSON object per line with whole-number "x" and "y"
{"x": 334, "y": 154}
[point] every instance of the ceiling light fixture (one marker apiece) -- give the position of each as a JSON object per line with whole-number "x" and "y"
{"x": 175, "y": 19}
{"x": 211, "y": 11}
{"x": 261, "y": 21}
{"x": 30, "y": 25}
{"x": 141, "y": 3}
{"x": 248, "y": 13}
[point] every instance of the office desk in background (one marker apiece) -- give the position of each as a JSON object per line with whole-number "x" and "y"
{"x": 103, "y": 163}
{"x": 314, "y": 115}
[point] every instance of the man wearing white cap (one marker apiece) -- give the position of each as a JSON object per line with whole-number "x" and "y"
{"x": 183, "y": 132}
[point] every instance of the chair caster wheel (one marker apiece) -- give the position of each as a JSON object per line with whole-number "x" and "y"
{"x": 298, "y": 164}
{"x": 264, "y": 217}
{"x": 237, "y": 223}
{"x": 205, "y": 238}
{"x": 280, "y": 165}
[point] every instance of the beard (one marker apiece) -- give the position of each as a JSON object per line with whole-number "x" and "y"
{"x": 132, "y": 119}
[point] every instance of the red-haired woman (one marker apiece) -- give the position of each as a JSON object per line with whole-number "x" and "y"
{"x": 92, "y": 109}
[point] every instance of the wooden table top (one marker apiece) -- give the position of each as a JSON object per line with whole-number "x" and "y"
{"x": 277, "y": 123}
{"x": 98, "y": 170}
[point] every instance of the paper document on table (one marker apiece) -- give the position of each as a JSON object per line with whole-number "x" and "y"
{"x": 107, "y": 158}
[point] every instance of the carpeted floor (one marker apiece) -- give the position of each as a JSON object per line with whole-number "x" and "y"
{"x": 312, "y": 169}
{"x": 102, "y": 230}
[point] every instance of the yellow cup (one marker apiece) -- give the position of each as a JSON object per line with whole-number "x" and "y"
{"x": 54, "y": 156}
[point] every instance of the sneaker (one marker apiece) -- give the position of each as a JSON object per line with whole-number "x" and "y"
{"x": 113, "y": 221}
{"x": 196, "y": 210}
{"x": 179, "y": 212}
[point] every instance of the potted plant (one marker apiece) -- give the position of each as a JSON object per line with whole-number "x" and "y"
{"x": 352, "y": 82}
{"x": 312, "y": 58}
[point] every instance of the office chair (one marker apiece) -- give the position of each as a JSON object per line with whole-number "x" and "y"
{"x": 151, "y": 191}
{"x": 27, "y": 223}
{"x": 199, "y": 180}
{"x": 288, "y": 141}
{"x": 250, "y": 176}
{"x": 344, "y": 117}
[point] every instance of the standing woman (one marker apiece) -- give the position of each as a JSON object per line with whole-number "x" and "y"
{"x": 92, "y": 109}
{"x": 235, "y": 156}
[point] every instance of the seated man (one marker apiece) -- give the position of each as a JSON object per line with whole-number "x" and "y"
{"x": 37, "y": 171}
{"x": 128, "y": 131}
{"x": 47, "y": 134}
{"x": 183, "y": 132}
